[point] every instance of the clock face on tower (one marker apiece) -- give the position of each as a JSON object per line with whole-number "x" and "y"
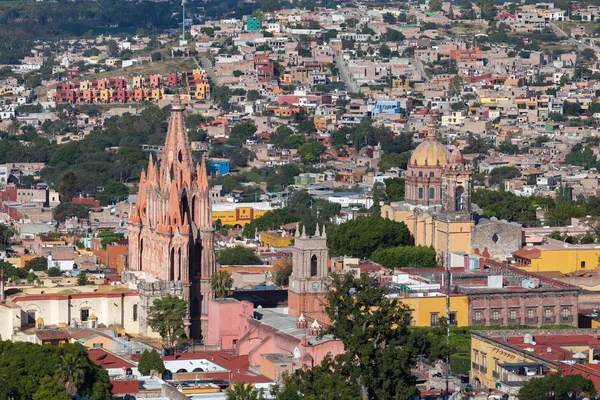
{"x": 315, "y": 285}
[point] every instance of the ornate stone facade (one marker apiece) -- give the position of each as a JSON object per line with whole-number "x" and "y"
{"x": 171, "y": 247}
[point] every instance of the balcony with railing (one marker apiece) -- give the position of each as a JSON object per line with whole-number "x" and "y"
{"x": 549, "y": 320}
{"x": 496, "y": 375}
{"x": 474, "y": 366}
{"x": 478, "y": 322}
{"x": 514, "y": 321}
{"x": 483, "y": 369}
{"x": 531, "y": 321}
{"x": 566, "y": 319}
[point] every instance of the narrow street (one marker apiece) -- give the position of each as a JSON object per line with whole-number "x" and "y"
{"x": 208, "y": 67}
{"x": 351, "y": 86}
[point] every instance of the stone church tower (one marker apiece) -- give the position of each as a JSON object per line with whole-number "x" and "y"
{"x": 171, "y": 247}
{"x": 310, "y": 274}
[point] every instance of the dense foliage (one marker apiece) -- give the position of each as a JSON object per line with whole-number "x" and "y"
{"x": 360, "y": 237}
{"x": 557, "y": 387}
{"x": 29, "y": 370}
{"x": 379, "y": 351}
{"x": 150, "y": 361}
{"x": 405, "y": 256}
{"x": 238, "y": 255}
{"x": 166, "y": 318}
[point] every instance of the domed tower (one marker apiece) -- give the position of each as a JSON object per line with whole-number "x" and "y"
{"x": 456, "y": 184}
{"x": 425, "y": 168}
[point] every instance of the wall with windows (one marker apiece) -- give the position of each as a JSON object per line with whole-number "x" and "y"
{"x": 427, "y": 311}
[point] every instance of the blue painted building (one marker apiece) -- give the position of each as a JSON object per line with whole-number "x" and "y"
{"x": 386, "y": 107}
{"x": 218, "y": 167}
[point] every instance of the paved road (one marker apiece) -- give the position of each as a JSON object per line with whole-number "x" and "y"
{"x": 421, "y": 68}
{"x": 208, "y": 67}
{"x": 561, "y": 34}
{"x": 351, "y": 85}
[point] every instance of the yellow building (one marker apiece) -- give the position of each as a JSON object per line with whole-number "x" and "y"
{"x": 239, "y": 214}
{"x": 437, "y": 205}
{"x": 202, "y": 91}
{"x": 278, "y": 238}
{"x": 399, "y": 84}
{"x": 507, "y": 359}
{"x": 550, "y": 258}
{"x": 427, "y": 311}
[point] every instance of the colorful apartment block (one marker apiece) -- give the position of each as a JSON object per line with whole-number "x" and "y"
{"x": 253, "y": 24}
{"x": 124, "y": 90}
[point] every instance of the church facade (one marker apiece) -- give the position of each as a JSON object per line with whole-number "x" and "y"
{"x": 437, "y": 205}
{"x": 171, "y": 245}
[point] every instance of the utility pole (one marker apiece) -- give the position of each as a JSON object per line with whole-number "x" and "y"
{"x": 448, "y": 275}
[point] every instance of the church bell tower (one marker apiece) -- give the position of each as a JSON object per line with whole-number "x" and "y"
{"x": 310, "y": 274}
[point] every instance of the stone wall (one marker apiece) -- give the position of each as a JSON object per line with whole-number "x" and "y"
{"x": 500, "y": 238}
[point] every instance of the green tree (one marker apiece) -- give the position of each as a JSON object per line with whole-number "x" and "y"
{"x": 243, "y": 391}
{"x": 502, "y": 174}
{"x": 393, "y": 160}
{"x": 6, "y": 234}
{"x": 389, "y": 18}
{"x": 241, "y": 132}
{"x": 66, "y": 210}
{"x": 435, "y": 5}
{"x": 150, "y": 361}
{"x": 283, "y": 273}
{"x": 71, "y": 373}
{"x": 82, "y": 279}
{"x": 406, "y": 256}
{"x": 394, "y": 189}
{"x": 360, "y": 237}
{"x": 221, "y": 284}
{"x": 166, "y": 318}
{"x": 378, "y": 353}
{"x": 238, "y": 255}
{"x": 113, "y": 48}
{"x": 54, "y": 272}
{"x": 456, "y": 85}
{"x": 113, "y": 193}
{"x": 253, "y": 95}
{"x": 557, "y": 387}
{"x": 50, "y": 389}
{"x": 37, "y": 264}
{"x": 69, "y": 186}
{"x": 311, "y": 151}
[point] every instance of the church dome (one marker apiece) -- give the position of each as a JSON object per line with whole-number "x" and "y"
{"x": 430, "y": 153}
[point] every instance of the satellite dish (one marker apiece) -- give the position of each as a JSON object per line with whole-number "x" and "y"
{"x": 533, "y": 342}
{"x": 549, "y": 349}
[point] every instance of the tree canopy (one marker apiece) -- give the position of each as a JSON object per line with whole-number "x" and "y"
{"x": 29, "y": 371}
{"x": 379, "y": 353}
{"x": 150, "y": 361}
{"x": 557, "y": 387}
{"x": 360, "y": 237}
{"x": 166, "y": 318}
{"x": 238, "y": 255}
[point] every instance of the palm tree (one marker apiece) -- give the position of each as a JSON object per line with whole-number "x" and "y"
{"x": 242, "y": 391}
{"x": 221, "y": 283}
{"x": 71, "y": 373}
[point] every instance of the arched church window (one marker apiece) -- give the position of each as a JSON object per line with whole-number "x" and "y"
{"x": 431, "y": 174}
{"x": 135, "y": 312}
{"x": 459, "y": 198}
{"x": 172, "y": 265}
{"x": 420, "y": 174}
{"x": 421, "y": 193}
{"x": 313, "y": 265}
{"x": 180, "y": 156}
{"x": 495, "y": 238}
{"x": 431, "y": 193}
{"x": 141, "y": 255}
